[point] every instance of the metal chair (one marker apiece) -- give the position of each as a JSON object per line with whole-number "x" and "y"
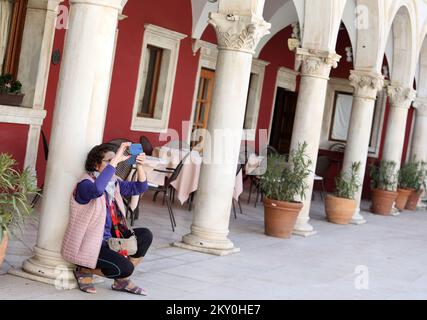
{"x": 255, "y": 176}
{"x": 239, "y": 168}
{"x": 321, "y": 173}
{"x": 166, "y": 189}
{"x": 146, "y": 145}
{"x": 178, "y": 144}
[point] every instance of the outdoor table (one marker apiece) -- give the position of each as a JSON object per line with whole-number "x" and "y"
{"x": 188, "y": 179}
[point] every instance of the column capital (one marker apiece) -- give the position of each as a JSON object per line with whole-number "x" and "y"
{"x": 401, "y": 97}
{"x": 421, "y": 105}
{"x": 238, "y": 33}
{"x": 366, "y": 83}
{"x": 316, "y": 63}
{"x": 116, "y": 4}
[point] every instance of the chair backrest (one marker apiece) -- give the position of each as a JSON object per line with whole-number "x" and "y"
{"x": 178, "y": 144}
{"x": 117, "y": 142}
{"x": 123, "y": 168}
{"x": 322, "y": 166}
{"x": 177, "y": 170}
{"x": 240, "y": 166}
{"x": 146, "y": 145}
{"x": 338, "y": 147}
{"x": 245, "y": 151}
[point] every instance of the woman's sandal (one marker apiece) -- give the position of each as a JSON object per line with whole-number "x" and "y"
{"x": 126, "y": 285}
{"x": 85, "y": 281}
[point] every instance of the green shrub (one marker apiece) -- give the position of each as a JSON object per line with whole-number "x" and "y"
{"x": 9, "y": 85}
{"x": 408, "y": 176}
{"x": 15, "y": 189}
{"x": 348, "y": 183}
{"x": 384, "y": 176}
{"x": 285, "y": 177}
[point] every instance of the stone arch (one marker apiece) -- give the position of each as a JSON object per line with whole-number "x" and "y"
{"x": 402, "y": 28}
{"x": 200, "y": 10}
{"x": 422, "y": 63}
{"x": 280, "y": 19}
{"x": 280, "y": 14}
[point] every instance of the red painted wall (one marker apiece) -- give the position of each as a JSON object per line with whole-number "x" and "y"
{"x": 209, "y": 35}
{"x": 173, "y": 15}
{"x": 13, "y": 140}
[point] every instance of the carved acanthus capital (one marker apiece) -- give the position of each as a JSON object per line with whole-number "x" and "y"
{"x": 316, "y": 63}
{"x": 421, "y": 105}
{"x": 366, "y": 84}
{"x": 401, "y": 97}
{"x": 238, "y": 33}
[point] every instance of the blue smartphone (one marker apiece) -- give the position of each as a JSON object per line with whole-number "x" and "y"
{"x": 135, "y": 149}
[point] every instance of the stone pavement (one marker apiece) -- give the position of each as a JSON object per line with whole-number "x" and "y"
{"x": 383, "y": 259}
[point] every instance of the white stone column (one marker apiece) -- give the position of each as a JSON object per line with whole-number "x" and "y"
{"x": 238, "y": 36}
{"x": 419, "y": 138}
{"x": 400, "y": 101}
{"x": 316, "y": 67}
{"x": 366, "y": 85}
{"x": 34, "y": 64}
{"x": 78, "y": 125}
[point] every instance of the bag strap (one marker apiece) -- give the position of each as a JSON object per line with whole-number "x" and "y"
{"x": 115, "y": 221}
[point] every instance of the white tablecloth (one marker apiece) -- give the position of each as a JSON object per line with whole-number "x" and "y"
{"x": 188, "y": 179}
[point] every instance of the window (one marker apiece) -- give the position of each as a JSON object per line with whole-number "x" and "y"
{"x": 203, "y": 104}
{"x": 341, "y": 116}
{"x": 152, "y": 82}
{"x": 12, "y": 19}
{"x": 156, "y": 79}
{"x": 337, "y": 113}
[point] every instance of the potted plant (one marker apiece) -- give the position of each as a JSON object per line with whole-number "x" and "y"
{"x": 419, "y": 186}
{"x": 383, "y": 185}
{"x": 284, "y": 185}
{"x": 341, "y": 206}
{"x": 15, "y": 189}
{"x": 408, "y": 176}
{"x": 10, "y": 91}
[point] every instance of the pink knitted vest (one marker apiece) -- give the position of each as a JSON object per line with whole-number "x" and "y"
{"x": 83, "y": 237}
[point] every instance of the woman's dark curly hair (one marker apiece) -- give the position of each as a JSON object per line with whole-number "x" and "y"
{"x": 96, "y": 155}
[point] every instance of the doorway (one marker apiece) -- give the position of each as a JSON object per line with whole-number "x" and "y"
{"x": 283, "y": 120}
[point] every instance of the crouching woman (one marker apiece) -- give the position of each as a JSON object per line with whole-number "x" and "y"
{"x": 97, "y": 214}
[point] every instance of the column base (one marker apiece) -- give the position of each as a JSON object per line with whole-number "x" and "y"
{"x": 357, "y": 218}
{"x": 219, "y": 247}
{"x": 395, "y": 212}
{"x": 304, "y": 230}
{"x": 59, "y": 284}
{"x": 48, "y": 267}
{"x": 216, "y": 252}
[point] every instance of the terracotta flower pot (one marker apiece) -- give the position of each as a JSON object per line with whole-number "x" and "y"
{"x": 280, "y": 217}
{"x": 10, "y": 99}
{"x": 382, "y": 201}
{"x": 3, "y": 247}
{"x": 339, "y": 210}
{"x": 402, "y": 198}
{"x": 413, "y": 199}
